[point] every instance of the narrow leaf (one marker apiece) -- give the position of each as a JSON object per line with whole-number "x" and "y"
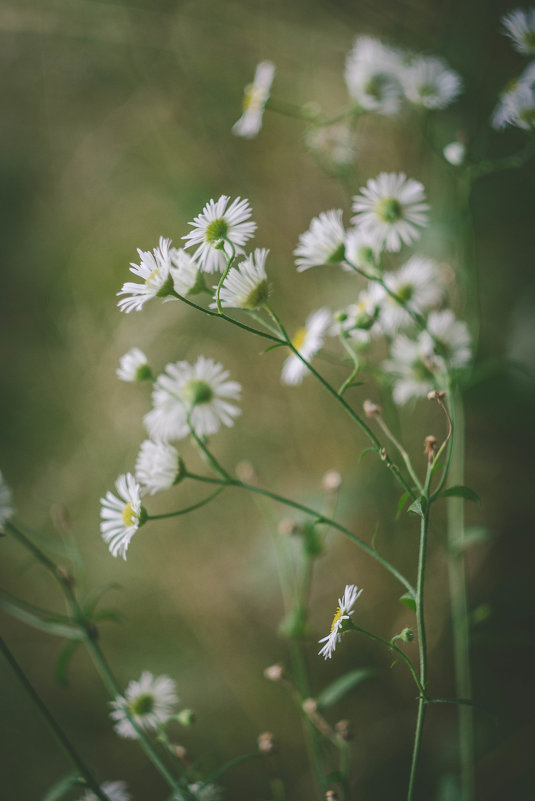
{"x": 63, "y": 662}
{"x": 460, "y": 491}
{"x": 339, "y": 687}
{"x": 46, "y": 622}
{"x": 276, "y": 345}
{"x": 62, "y": 787}
{"x": 365, "y": 451}
{"x": 408, "y": 601}
{"x": 417, "y": 507}
{"x": 401, "y": 503}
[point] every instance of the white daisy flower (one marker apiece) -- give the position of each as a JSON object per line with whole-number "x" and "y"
{"x": 428, "y": 82}
{"x": 158, "y": 467}
{"x": 520, "y": 27}
{"x": 343, "y": 613}
{"x": 6, "y": 503}
{"x": 121, "y": 517}
{"x": 371, "y": 76}
{"x": 455, "y": 153}
{"x": 246, "y": 286}
{"x": 411, "y": 368}
{"x": 200, "y": 390}
{"x": 358, "y": 321}
{"x": 215, "y": 227}
{"x": 332, "y": 143}
{"x": 390, "y": 209}
{"x": 150, "y": 701}
{"x": 255, "y": 97}
{"x": 323, "y": 243}
{"x": 116, "y": 791}
{"x": 187, "y": 278}
{"x": 361, "y": 250}
{"x": 133, "y": 366}
{"x": 202, "y": 792}
{"x": 516, "y": 107}
{"x": 154, "y": 270}
{"x": 307, "y": 340}
{"x": 448, "y": 338}
{"x": 419, "y": 283}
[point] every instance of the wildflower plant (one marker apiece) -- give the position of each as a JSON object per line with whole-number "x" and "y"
{"x": 399, "y": 333}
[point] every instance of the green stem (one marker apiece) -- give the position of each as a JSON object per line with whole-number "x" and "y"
{"x": 230, "y": 259}
{"x": 187, "y": 509}
{"x": 52, "y": 723}
{"x": 392, "y": 647}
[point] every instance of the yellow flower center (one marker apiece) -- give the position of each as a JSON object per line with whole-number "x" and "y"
{"x": 130, "y": 518}
{"x": 252, "y": 97}
{"x": 299, "y": 338}
{"x": 336, "y": 618}
{"x": 152, "y": 277}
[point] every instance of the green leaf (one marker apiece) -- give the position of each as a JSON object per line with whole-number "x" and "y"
{"x": 94, "y": 597}
{"x": 40, "y": 619}
{"x": 401, "y": 503}
{"x": 276, "y": 345}
{"x": 460, "y": 491}
{"x": 339, "y": 687}
{"x": 367, "y": 450}
{"x": 436, "y": 466}
{"x": 408, "y": 601}
{"x": 473, "y": 536}
{"x": 374, "y": 536}
{"x": 63, "y": 662}
{"x": 108, "y": 614}
{"x": 417, "y": 507}
{"x": 355, "y": 384}
{"x": 63, "y": 786}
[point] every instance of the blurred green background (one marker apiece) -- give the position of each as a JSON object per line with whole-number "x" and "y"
{"x": 116, "y": 130}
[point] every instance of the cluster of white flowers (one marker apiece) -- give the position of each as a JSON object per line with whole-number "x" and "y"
{"x": 516, "y": 105}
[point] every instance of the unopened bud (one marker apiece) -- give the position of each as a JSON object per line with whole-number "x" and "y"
{"x": 407, "y": 635}
{"x": 331, "y": 481}
{"x": 436, "y": 395}
{"x": 275, "y": 672}
{"x": 186, "y": 717}
{"x": 344, "y": 729}
{"x": 310, "y": 706}
{"x": 340, "y": 316}
{"x": 267, "y": 743}
{"x": 246, "y": 472}
{"x": 371, "y": 409}
{"x": 430, "y": 447}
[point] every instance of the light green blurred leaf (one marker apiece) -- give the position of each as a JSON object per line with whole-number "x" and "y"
{"x": 341, "y": 686}
{"x": 460, "y": 491}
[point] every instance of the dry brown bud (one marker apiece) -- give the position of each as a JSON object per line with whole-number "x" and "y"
{"x": 275, "y": 672}
{"x": 434, "y": 395}
{"x": 267, "y": 743}
{"x": 246, "y": 472}
{"x": 371, "y": 409}
{"x": 344, "y": 729}
{"x": 331, "y": 481}
{"x": 430, "y": 447}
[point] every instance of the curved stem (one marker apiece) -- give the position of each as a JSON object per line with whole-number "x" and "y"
{"x": 187, "y": 509}
{"x": 392, "y": 647}
{"x": 52, "y": 723}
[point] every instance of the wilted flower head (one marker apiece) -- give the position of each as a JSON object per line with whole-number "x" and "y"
{"x": 216, "y": 228}
{"x": 150, "y": 701}
{"x": 323, "y": 243}
{"x": 121, "y": 517}
{"x": 343, "y": 613}
{"x": 255, "y": 97}
{"x": 154, "y": 270}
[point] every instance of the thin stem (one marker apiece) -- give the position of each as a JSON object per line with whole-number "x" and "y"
{"x": 187, "y": 509}
{"x": 230, "y": 259}
{"x": 356, "y": 365}
{"x": 52, "y": 723}
{"x": 321, "y": 518}
{"x": 404, "y": 455}
{"x": 392, "y": 647}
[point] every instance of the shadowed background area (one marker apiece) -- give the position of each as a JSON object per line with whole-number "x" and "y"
{"x": 116, "y": 130}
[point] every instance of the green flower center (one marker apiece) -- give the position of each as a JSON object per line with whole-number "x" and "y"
{"x": 528, "y": 116}
{"x": 427, "y": 90}
{"x": 405, "y": 293}
{"x": 365, "y": 255}
{"x": 376, "y": 86}
{"x": 198, "y": 392}
{"x": 129, "y": 517}
{"x": 257, "y": 296}
{"x": 142, "y": 704}
{"x": 389, "y": 209}
{"x": 528, "y": 40}
{"x": 216, "y": 231}
{"x": 338, "y": 255}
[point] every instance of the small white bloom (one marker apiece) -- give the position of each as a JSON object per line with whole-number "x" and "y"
{"x": 358, "y": 321}
{"x": 343, "y": 612}
{"x": 371, "y": 75}
{"x": 307, "y": 340}
{"x": 428, "y": 82}
{"x": 323, "y": 243}
{"x": 154, "y": 270}
{"x": 418, "y": 283}
{"x": 255, "y": 97}
{"x": 361, "y": 250}
{"x": 246, "y": 286}
{"x": 187, "y": 278}
{"x": 150, "y": 701}
{"x": 215, "y": 227}
{"x": 158, "y": 466}
{"x": 455, "y": 153}
{"x": 115, "y": 791}
{"x": 202, "y": 792}
{"x": 121, "y": 517}
{"x": 133, "y": 366}
{"x": 448, "y": 338}
{"x": 6, "y": 503}
{"x": 411, "y": 368}
{"x": 200, "y": 390}
{"x": 331, "y": 143}
{"x": 390, "y": 209}
{"x": 516, "y": 107}
{"x": 520, "y": 27}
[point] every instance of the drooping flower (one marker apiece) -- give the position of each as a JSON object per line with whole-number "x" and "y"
{"x": 121, "y": 517}
{"x": 133, "y": 366}
{"x": 255, "y": 97}
{"x": 308, "y": 341}
{"x": 323, "y": 243}
{"x": 246, "y": 286}
{"x": 390, "y": 209}
{"x": 158, "y": 466}
{"x": 418, "y": 283}
{"x": 150, "y": 701}
{"x": 411, "y": 368}
{"x": 217, "y": 226}
{"x": 448, "y": 338}
{"x": 154, "y": 270}
{"x": 201, "y": 391}
{"x": 187, "y": 278}
{"x": 520, "y": 27}
{"x": 343, "y": 613}
{"x": 6, "y": 502}
{"x": 371, "y": 75}
{"x": 428, "y": 82}
{"x": 115, "y": 791}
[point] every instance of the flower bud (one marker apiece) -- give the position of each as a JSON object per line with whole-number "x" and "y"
{"x": 371, "y": 409}
{"x": 430, "y": 447}
{"x": 407, "y": 635}
{"x": 344, "y": 729}
{"x": 186, "y": 717}
{"x": 267, "y": 743}
{"x": 310, "y": 706}
{"x": 275, "y": 672}
{"x": 331, "y": 481}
